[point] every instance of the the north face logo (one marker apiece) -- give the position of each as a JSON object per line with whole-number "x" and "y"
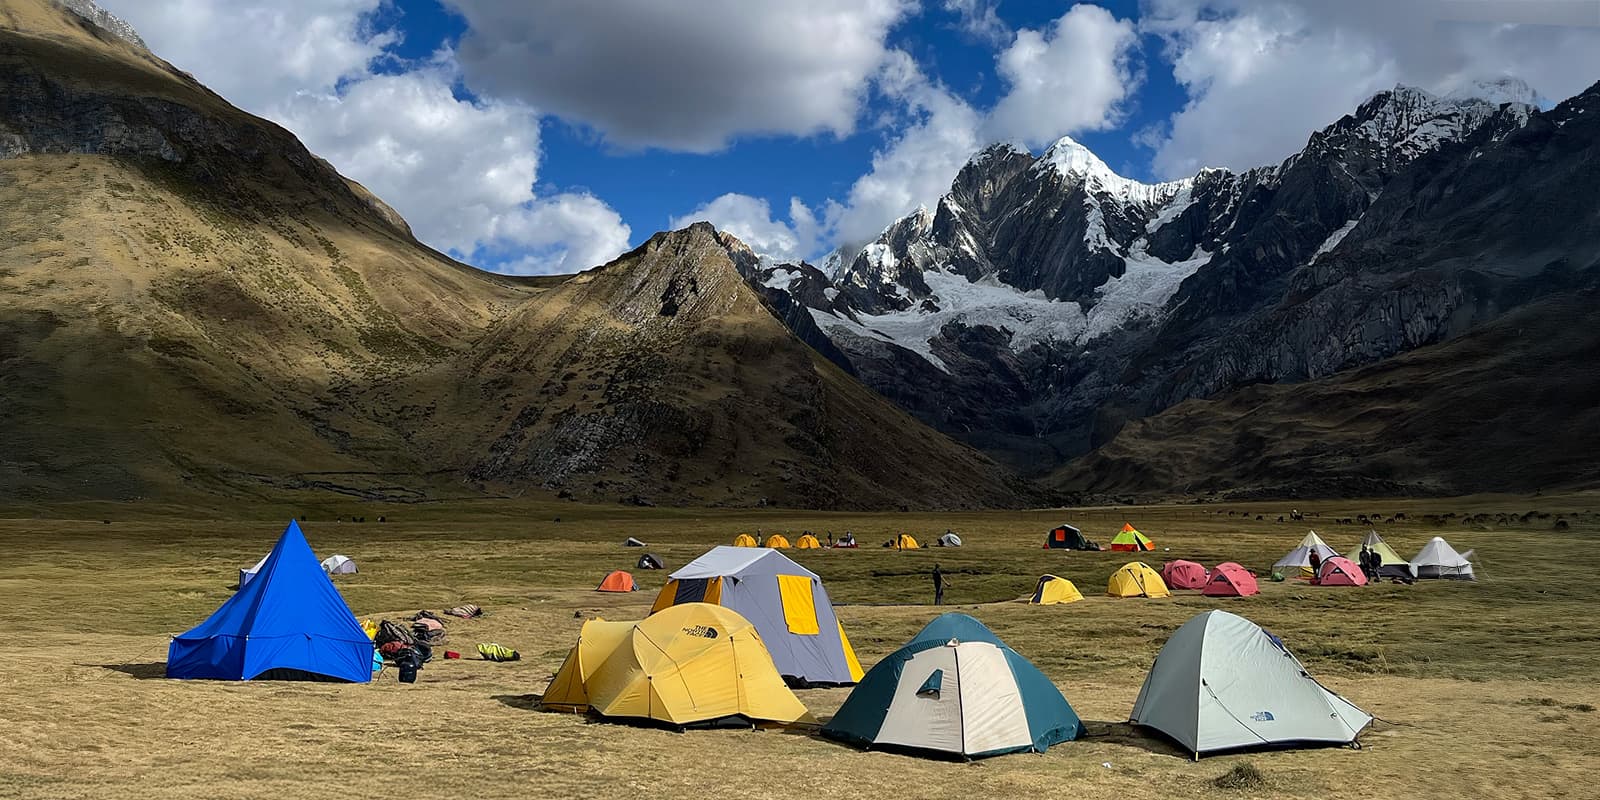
{"x": 702, "y": 631}
{"x": 1262, "y": 716}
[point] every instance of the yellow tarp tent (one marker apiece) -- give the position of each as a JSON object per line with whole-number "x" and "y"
{"x": 744, "y": 540}
{"x": 777, "y": 542}
{"x": 905, "y": 542}
{"x": 1053, "y": 590}
{"x": 690, "y": 664}
{"x": 807, "y": 542}
{"x": 1136, "y": 579}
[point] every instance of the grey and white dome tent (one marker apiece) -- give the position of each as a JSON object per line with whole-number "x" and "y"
{"x": 1439, "y": 560}
{"x": 1301, "y": 555}
{"x": 339, "y": 565}
{"x": 1221, "y": 682}
{"x": 246, "y": 574}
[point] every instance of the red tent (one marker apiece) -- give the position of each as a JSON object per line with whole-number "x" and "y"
{"x": 1228, "y": 579}
{"x": 1341, "y": 571}
{"x": 1184, "y": 575}
{"x": 618, "y": 581}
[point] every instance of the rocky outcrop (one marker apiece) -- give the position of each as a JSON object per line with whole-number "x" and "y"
{"x": 104, "y": 20}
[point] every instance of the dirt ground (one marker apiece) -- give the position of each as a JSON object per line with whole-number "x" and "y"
{"x": 1482, "y": 689}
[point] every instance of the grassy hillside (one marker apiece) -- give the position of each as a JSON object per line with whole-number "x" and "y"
{"x": 192, "y": 305}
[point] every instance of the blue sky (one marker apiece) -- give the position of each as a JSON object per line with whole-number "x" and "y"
{"x": 550, "y": 135}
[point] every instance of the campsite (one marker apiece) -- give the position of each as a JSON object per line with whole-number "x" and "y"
{"x": 99, "y": 591}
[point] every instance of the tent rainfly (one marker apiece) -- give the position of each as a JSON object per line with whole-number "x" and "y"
{"x": 1390, "y": 564}
{"x": 744, "y": 540}
{"x": 786, "y": 602}
{"x": 1300, "y": 556}
{"x": 1129, "y": 539}
{"x": 807, "y": 541}
{"x": 956, "y": 691}
{"x": 1439, "y": 560}
{"x": 632, "y": 542}
{"x": 1223, "y": 683}
{"x": 1053, "y": 590}
{"x": 692, "y": 665}
{"x": 288, "y": 622}
{"x": 617, "y": 581}
{"x": 339, "y": 565}
{"x": 1228, "y": 579}
{"x": 948, "y": 539}
{"x": 776, "y": 541}
{"x": 1136, "y": 579}
{"x": 1067, "y": 537}
{"x": 1182, "y": 574}
{"x": 649, "y": 561}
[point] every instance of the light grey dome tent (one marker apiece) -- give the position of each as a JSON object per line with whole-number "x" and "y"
{"x": 1439, "y": 560}
{"x": 1223, "y": 683}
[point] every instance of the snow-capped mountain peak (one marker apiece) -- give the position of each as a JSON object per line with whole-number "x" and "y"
{"x": 1076, "y": 163}
{"x": 1497, "y": 91}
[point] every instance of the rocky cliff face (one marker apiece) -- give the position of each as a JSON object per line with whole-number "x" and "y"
{"x": 1047, "y": 301}
{"x": 103, "y": 20}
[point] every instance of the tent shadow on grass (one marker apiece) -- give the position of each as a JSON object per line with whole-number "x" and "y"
{"x": 1127, "y": 734}
{"x": 526, "y": 702}
{"x": 145, "y": 671}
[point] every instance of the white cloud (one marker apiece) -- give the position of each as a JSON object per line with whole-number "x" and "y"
{"x": 750, "y": 219}
{"x": 258, "y": 52}
{"x": 647, "y": 73}
{"x": 1263, "y": 74}
{"x": 979, "y": 20}
{"x": 461, "y": 172}
{"x": 1073, "y": 76}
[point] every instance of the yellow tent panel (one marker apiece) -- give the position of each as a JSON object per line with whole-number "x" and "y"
{"x": 799, "y": 608}
{"x": 1053, "y": 590}
{"x": 850, "y": 655}
{"x": 905, "y": 542}
{"x": 703, "y": 590}
{"x": 744, "y": 540}
{"x": 777, "y": 542}
{"x": 597, "y": 640}
{"x": 807, "y": 542}
{"x": 692, "y": 663}
{"x": 1136, "y": 579}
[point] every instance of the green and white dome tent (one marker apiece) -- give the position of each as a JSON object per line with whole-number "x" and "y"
{"x": 955, "y": 690}
{"x": 1221, "y": 682}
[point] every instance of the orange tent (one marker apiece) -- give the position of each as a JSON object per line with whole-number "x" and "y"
{"x": 618, "y": 581}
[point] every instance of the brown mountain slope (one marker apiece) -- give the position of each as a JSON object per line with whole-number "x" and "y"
{"x": 1511, "y": 406}
{"x": 190, "y": 302}
{"x": 662, "y": 375}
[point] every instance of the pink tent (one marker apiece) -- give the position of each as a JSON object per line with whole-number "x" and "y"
{"x": 1229, "y": 579}
{"x": 1184, "y": 575}
{"x": 1340, "y": 571}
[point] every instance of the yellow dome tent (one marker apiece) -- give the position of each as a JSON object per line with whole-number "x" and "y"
{"x": 905, "y": 542}
{"x": 690, "y": 664}
{"x": 807, "y": 542}
{"x": 1053, "y": 590}
{"x": 1136, "y": 579}
{"x": 744, "y": 540}
{"x": 777, "y": 542}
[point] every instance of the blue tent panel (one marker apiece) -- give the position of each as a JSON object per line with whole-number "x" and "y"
{"x": 288, "y": 619}
{"x": 956, "y": 626}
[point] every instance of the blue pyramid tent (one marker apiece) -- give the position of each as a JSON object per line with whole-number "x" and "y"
{"x": 955, "y": 689}
{"x": 287, "y": 622}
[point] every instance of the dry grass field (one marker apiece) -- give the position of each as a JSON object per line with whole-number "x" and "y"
{"x": 1485, "y": 689}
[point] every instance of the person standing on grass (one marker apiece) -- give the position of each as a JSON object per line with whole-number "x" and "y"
{"x": 1316, "y": 567}
{"x": 1367, "y": 567}
{"x": 938, "y": 585}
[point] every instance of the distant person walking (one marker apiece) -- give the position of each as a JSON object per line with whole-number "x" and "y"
{"x": 1368, "y": 568}
{"x": 939, "y": 584}
{"x": 1316, "y": 567}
